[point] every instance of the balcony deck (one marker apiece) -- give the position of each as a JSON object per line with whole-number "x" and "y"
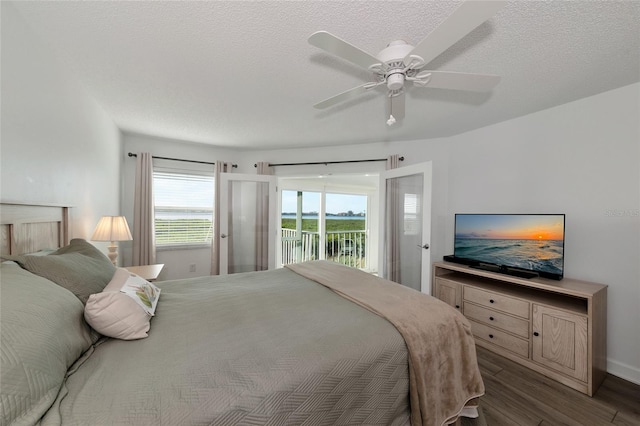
{"x": 346, "y": 247}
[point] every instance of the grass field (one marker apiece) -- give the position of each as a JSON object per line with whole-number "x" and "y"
{"x": 182, "y": 231}
{"x": 185, "y": 231}
{"x": 311, "y": 225}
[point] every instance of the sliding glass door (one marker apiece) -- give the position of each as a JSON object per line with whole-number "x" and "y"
{"x": 324, "y": 225}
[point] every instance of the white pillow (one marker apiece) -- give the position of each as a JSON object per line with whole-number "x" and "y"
{"x": 124, "y": 308}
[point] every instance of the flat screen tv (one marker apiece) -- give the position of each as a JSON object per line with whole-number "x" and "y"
{"x": 525, "y": 245}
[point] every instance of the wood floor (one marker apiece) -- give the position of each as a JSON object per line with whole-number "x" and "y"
{"x": 518, "y": 396}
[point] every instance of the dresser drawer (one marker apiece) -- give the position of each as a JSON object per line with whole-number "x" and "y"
{"x": 497, "y": 319}
{"x": 497, "y": 301}
{"x": 500, "y": 338}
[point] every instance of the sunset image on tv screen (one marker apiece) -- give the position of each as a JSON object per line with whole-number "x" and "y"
{"x": 534, "y": 242}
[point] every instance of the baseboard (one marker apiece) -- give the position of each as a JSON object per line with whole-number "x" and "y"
{"x": 624, "y": 371}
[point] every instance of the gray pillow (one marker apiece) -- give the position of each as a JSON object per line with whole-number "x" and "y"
{"x": 43, "y": 334}
{"x": 79, "y": 267}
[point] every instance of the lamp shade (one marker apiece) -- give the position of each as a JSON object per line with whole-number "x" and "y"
{"x": 112, "y": 228}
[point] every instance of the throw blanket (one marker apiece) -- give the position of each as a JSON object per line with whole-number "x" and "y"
{"x": 443, "y": 369}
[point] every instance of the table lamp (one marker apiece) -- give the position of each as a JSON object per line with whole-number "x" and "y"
{"x": 112, "y": 228}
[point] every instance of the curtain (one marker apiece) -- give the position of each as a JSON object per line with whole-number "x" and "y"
{"x": 220, "y": 167}
{"x": 393, "y": 161}
{"x": 262, "y": 219}
{"x": 394, "y": 206}
{"x": 144, "y": 247}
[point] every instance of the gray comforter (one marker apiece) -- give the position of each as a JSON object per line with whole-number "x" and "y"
{"x": 267, "y": 348}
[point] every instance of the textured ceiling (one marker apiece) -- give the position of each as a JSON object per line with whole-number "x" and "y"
{"x": 233, "y": 73}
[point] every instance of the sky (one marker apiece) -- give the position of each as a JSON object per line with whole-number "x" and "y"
{"x": 510, "y": 227}
{"x": 170, "y": 191}
{"x": 336, "y": 203}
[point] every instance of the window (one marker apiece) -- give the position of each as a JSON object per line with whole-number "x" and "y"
{"x": 183, "y": 208}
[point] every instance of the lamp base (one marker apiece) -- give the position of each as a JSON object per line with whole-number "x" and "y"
{"x": 113, "y": 253}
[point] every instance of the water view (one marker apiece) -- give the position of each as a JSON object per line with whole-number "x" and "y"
{"x": 525, "y": 241}
{"x": 543, "y": 256}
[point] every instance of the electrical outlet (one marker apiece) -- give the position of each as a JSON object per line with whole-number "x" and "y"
{"x": 192, "y": 267}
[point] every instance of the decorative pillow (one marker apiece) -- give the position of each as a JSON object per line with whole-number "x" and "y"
{"x": 125, "y": 307}
{"x": 43, "y": 334}
{"x": 79, "y": 267}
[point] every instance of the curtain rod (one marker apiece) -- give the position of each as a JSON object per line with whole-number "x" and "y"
{"x": 330, "y": 162}
{"x": 131, "y": 154}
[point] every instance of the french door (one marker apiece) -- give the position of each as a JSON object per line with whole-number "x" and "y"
{"x": 405, "y": 226}
{"x": 247, "y": 222}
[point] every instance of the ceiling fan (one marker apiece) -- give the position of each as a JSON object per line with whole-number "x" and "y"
{"x": 400, "y": 62}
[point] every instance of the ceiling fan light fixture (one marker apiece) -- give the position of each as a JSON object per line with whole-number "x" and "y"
{"x": 395, "y": 80}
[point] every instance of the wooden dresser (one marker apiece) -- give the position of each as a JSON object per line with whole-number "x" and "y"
{"x": 557, "y": 328}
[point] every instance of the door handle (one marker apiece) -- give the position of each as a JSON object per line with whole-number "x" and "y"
{"x": 223, "y": 235}
{"x": 425, "y": 246}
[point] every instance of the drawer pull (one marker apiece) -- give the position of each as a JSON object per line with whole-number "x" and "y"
{"x": 491, "y": 336}
{"x": 491, "y": 301}
{"x": 457, "y": 306}
{"x": 491, "y": 318}
{"x": 535, "y": 333}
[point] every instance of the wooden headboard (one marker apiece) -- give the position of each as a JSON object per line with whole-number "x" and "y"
{"x": 27, "y": 228}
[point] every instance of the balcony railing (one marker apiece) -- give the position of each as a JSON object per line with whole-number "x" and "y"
{"x": 346, "y": 247}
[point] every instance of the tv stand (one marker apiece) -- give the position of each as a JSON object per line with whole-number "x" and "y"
{"x": 557, "y": 328}
{"x": 507, "y": 270}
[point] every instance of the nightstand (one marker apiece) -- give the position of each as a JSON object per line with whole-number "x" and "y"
{"x": 148, "y": 272}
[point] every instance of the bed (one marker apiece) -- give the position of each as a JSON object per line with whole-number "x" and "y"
{"x": 313, "y": 344}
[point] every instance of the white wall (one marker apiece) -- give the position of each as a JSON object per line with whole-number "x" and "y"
{"x": 57, "y": 144}
{"x": 581, "y": 159}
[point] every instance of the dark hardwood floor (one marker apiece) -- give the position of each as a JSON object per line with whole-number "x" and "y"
{"x": 518, "y": 396}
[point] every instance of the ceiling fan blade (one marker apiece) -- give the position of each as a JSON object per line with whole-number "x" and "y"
{"x": 341, "y": 48}
{"x": 395, "y": 106}
{"x": 463, "y": 20}
{"x": 349, "y": 94}
{"x": 459, "y": 81}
